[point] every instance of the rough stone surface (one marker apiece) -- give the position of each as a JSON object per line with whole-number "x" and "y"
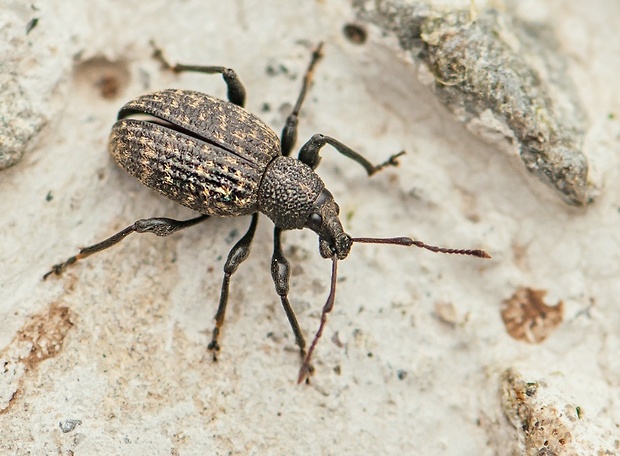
{"x": 504, "y": 77}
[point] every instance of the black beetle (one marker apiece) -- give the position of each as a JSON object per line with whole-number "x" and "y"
{"x": 216, "y": 158}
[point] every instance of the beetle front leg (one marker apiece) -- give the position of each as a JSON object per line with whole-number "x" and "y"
{"x": 236, "y": 256}
{"x": 309, "y": 154}
{"x": 159, "y": 226}
{"x": 236, "y": 91}
{"x": 281, "y": 273}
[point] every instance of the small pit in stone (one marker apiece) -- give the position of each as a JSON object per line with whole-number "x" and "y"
{"x": 106, "y": 78}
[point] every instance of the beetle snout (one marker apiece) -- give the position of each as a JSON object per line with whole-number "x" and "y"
{"x": 323, "y": 220}
{"x": 340, "y": 246}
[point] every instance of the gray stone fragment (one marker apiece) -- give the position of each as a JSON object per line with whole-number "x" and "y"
{"x": 501, "y": 76}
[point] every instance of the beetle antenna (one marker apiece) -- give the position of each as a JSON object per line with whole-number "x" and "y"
{"x": 329, "y": 304}
{"x": 327, "y": 308}
{"x": 407, "y": 242}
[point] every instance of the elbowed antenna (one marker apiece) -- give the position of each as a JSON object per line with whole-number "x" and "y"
{"x": 407, "y": 242}
{"x": 305, "y": 369}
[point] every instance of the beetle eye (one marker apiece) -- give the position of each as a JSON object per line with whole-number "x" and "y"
{"x": 314, "y": 221}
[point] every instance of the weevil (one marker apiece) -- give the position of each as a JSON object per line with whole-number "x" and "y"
{"x": 218, "y": 159}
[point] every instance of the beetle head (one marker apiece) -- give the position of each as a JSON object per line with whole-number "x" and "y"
{"x": 323, "y": 220}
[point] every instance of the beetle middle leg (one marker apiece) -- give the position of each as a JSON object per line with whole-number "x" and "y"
{"x": 309, "y": 153}
{"x": 289, "y": 132}
{"x": 236, "y": 256}
{"x": 160, "y": 226}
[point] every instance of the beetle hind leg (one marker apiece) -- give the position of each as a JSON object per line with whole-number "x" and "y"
{"x": 160, "y": 226}
{"x": 236, "y": 91}
{"x": 236, "y": 256}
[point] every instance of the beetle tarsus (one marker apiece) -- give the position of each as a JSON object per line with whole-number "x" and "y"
{"x": 392, "y": 161}
{"x": 213, "y": 346}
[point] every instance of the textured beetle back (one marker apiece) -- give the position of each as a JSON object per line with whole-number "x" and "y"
{"x": 216, "y": 121}
{"x": 197, "y": 150}
{"x": 288, "y": 192}
{"x": 196, "y": 174}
